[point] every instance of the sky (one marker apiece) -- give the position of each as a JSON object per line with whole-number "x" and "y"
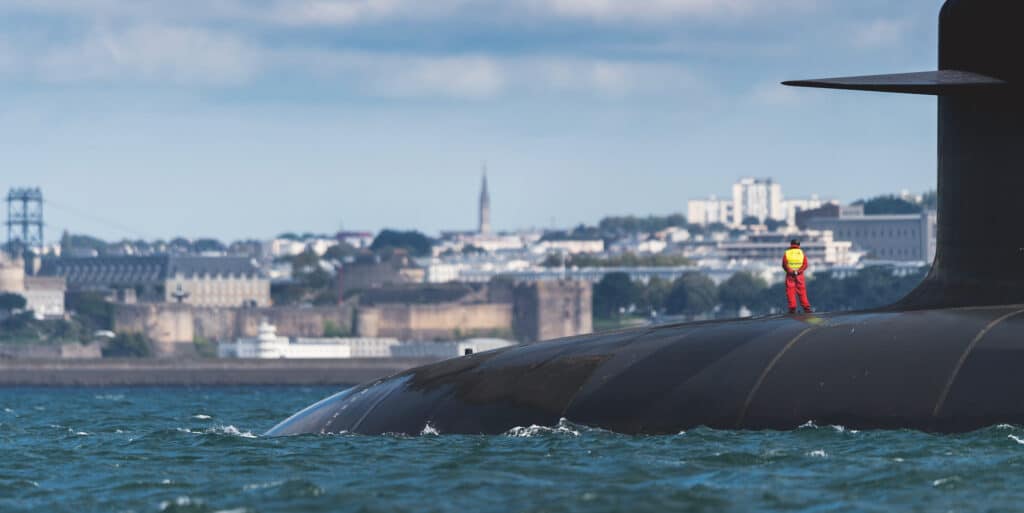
{"x": 238, "y": 119}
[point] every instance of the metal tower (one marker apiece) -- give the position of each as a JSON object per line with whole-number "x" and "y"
{"x": 25, "y": 219}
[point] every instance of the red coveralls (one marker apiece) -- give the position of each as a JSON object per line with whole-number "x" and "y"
{"x": 794, "y": 262}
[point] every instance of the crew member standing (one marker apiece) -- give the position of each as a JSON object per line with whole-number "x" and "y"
{"x": 795, "y": 263}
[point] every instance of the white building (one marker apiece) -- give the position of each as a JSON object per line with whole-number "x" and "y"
{"x": 44, "y": 296}
{"x": 571, "y": 247}
{"x": 452, "y": 349}
{"x": 820, "y": 247}
{"x": 760, "y": 198}
{"x": 709, "y": 211}
{"x": 267, "y": 345}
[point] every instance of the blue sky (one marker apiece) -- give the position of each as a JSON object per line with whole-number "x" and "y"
{"x": 234, "y": 119}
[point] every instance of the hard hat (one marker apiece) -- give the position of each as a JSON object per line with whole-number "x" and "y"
{"x": 795, "y": 242}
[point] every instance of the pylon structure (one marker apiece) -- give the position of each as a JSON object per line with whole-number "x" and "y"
{"x": 25, "y": 219}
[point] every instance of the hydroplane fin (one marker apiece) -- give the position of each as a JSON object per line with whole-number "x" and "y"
{"x": 947, "y": 81}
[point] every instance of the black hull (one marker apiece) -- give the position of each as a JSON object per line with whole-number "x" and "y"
{"x": 936, "y": 370}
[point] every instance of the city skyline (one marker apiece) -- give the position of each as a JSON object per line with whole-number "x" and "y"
{"x": 225, "y": 122}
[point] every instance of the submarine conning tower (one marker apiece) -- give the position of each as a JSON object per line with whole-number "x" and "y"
{"x": 980, "y": 87}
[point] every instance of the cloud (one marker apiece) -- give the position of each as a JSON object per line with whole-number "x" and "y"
{"x": 880, "y": 33}
{"x": 482, "y": 76}
{"x": 349, "y": 12}
{"x": 145, "y": 53}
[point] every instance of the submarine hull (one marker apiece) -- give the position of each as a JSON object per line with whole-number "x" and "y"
{"x": 946, "y": 370}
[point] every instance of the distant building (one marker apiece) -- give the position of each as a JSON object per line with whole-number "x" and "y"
{"x": 820, "y": 247}
{"x": 571, "y": 247}
{"x": 43, "y": 296}
{"x": 552, "y": 309}
{"x": 358, "y": 240}
{"x": 192, "y": 280}
{"x": 267, "y": 345}
{"x": 709, "y": 211}
{"x": 804, "y": 217}
{"x": 760, "y": 198}
{"x": 370, "y": 271}
{"x": 12, "y": 274}
{"x": 899, "y": 238}
{"x": 792, "y": 207}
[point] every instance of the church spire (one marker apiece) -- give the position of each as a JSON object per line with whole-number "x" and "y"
{"x": 485, "y": 206}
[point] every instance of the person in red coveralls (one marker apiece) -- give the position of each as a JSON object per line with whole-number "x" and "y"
{"x": 794, "y": 262}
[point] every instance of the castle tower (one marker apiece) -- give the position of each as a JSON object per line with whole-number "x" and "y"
{"x": 485, "y": 207}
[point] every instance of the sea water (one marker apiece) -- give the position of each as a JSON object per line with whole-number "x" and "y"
{"x": 200, "y": 450}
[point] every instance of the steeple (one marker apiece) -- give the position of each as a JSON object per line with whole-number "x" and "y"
{"x": 484, "y": 227}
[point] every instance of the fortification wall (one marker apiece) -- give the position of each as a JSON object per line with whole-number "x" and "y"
{"x": 172, "y": 327}
{"x": 432, "y": 322}
{"x": 550, "y": 310}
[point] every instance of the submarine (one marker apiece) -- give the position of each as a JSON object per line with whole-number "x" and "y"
{"x": 947, "y": 358}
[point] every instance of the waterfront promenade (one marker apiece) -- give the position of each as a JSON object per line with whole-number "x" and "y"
{"x": 166, "y": 372}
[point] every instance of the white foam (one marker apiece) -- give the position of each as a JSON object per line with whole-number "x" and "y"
{"x": 819, "y": 453}
{"x": 230, "y": 430}
{"x": 939, "y": 482}
{"x": 201, "y": 416}
{"x": 1016, "y": 439}
{"x": 843, "y": 429}
{"x": 429, "y": 430}
{"x": 182, "y": 501}
{"x": 808, "y": 425}
{"x": 1005, "y": 426}
{"x": 564, "y": 427}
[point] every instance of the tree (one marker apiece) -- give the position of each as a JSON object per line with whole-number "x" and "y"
{"x": 742, "y": 290}
{"x": 614, "y": 292}
{"x": 91, "y": 308}
{"x": 10, "y": 302}
{"x": 888, "y": 205}
{"x": 653, "y": 296}
{"x": 128, "y": 345}
{"x": 692, "y": 294}
{"x": 774, "y": 224}
{"x": 208, "y": 245}
{"x": 340, "y": 251}
{"x": 614, "y": 226}
{"x": 414, "y": 242}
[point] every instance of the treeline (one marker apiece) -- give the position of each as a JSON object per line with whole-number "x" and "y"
{"x": 623, "y": 260}
{"x": 890, "y": 204}
{"x": 694, "y": 294}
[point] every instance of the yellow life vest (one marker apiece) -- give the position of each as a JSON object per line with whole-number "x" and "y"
{"x": 794, "y": 259}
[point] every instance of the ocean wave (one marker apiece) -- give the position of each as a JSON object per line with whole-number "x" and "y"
{"x": 228, "y": 430}
{"x": 564, "y": 427}
{"x": 810, "y": 424}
